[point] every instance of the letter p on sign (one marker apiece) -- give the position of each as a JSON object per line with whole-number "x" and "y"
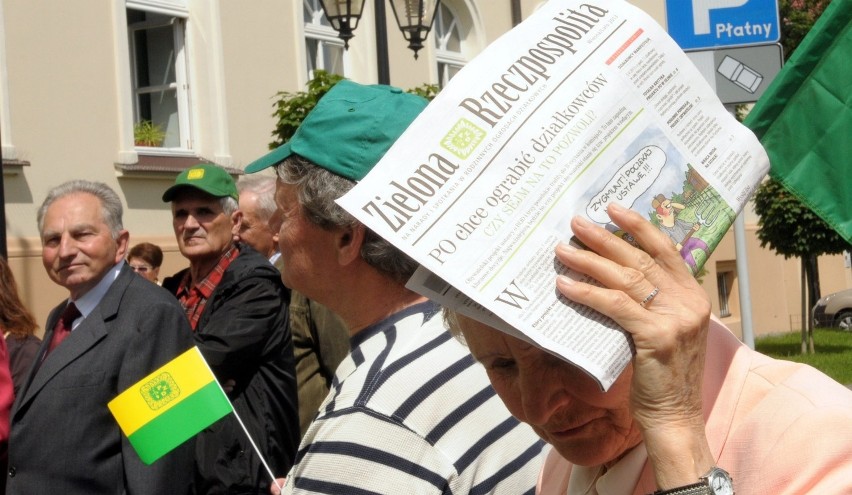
{"x": 701, "y": 12}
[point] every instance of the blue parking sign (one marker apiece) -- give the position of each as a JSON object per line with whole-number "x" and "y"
{"x": 708, "y": 24}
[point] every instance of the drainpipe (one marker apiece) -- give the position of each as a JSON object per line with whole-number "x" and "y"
{"x": 516, "y": 12}
{"x": 3, "y": 252}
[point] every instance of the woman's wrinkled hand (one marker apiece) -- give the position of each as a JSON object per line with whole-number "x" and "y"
{"x": 653, "y": 296}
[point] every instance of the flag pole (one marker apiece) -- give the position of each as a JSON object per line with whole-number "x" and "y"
{"x": 243, "y": 426}
{"x": 262, "y": 460}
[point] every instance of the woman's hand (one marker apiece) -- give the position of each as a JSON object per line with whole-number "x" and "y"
{"x": 653, "y": 296}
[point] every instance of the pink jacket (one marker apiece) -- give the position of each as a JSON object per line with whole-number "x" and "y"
{"x": 779, "y": 428}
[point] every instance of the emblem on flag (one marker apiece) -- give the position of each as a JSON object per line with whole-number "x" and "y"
{"x": 160, "y": 391}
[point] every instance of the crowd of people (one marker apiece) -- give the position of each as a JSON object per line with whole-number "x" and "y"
{"x": 345, "y": 382}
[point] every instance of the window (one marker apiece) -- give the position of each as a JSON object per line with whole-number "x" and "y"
{"x": 323, "y": 49}
{"x": 160, "y": 86}
{"x": 7, "y": 150}
{"x": 448, "y": 45}
{"x": 725, "y": 282}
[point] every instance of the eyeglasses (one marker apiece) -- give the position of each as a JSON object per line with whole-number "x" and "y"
{"x": 141, "y": 268}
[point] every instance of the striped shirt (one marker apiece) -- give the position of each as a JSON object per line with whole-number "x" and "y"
{"x": 411, "y": 412}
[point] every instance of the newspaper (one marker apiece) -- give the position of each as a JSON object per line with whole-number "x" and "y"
{"x": 583, "y": 104}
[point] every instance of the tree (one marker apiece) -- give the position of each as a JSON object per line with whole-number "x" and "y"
{"x": 786, "y": 224}
{"x": 790, "y": 228}
{"x": 292, "y": 108}
{"x": 797, "y": 17}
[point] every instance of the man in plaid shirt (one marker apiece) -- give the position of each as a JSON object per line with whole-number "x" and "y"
{"x": 237, "y": 306}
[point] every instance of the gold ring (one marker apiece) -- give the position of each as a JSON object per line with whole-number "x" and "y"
{"x": 650, "y": 297}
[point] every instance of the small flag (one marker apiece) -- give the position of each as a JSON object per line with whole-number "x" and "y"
{"x": 170, "y": 406}
{"x": 804, "y": 119}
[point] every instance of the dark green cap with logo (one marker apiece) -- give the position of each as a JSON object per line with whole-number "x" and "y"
{"x": 349, "y": 130}
{"x": 212, "y": 179}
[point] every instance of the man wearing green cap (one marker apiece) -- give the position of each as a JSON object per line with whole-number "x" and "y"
{"x": 237, "y": 307}
{"x": 409, "y": 410}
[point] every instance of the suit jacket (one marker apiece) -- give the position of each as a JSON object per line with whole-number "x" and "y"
{"x": 64, "y": 438}
{"x": 778, "y": 427}
{"x": 320, "y": 342}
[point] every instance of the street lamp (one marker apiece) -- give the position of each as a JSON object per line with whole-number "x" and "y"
{"x": 414, "y": 18}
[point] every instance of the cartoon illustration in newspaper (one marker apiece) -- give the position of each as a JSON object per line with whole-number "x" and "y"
{"x": 655, "y": 179}
{"x": 695, "y": 218}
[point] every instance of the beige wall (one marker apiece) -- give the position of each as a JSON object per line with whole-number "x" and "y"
{"x": 251, "y": 82}
{"x": 65, "y": 90}
{"x": 62, "y": 99}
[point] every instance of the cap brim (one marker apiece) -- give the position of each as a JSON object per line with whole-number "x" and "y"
{"x": 171, "y": 192}
{"x": 270, "y": 159}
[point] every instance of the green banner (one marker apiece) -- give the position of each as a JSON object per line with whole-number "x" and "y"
{"x": 804, "y": 119}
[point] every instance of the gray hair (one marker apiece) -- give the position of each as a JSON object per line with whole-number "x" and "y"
{"x": 264, "y": 187}
{"x": 451, "y": 322}
{"x": 318, "y": 189}
{"x": 111, "y": 208}
{"x": 229, "y": 205}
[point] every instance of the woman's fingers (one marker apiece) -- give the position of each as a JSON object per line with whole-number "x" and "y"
{"x": 650, "y": 293}
{"x": 655, "y": 243}
{"x": 654, "y": 297}
{"x": 657, "y": 253}
{"x": 619, "y": 290}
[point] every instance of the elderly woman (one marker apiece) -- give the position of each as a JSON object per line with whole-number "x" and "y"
{"x": 695, "y": 405}
{"x": 145, "y": 259}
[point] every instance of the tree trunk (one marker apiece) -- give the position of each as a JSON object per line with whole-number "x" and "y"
{"x": 815, "y": 288}
{"x": 813, "y": 296}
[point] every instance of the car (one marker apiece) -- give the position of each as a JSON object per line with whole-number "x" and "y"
{"x": 834, "y": 310}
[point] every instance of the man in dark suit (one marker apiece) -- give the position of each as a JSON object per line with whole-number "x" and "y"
{"x": 114, "y": 329}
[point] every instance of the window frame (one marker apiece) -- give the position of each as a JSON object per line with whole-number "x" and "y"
{"x": 181, "y": 84}
{"x": 447, "y": 61}
{"x": 724, "y": 280}
{"x": 7, "y": 147}
{"x": 319, "y": 31}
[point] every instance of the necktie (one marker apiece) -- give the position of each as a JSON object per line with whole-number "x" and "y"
{"x": 63, "y": 326}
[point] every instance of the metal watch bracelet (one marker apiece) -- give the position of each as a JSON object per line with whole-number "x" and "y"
{"x": 699, "y": 488}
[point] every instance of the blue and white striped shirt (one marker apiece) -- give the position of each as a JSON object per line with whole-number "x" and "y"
{"x": 410, "y": 412}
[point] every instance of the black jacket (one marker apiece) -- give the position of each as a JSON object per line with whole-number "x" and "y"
{"x": 244, "y": 335}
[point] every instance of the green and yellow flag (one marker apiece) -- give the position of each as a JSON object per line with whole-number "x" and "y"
{"x": 170, "y": 406}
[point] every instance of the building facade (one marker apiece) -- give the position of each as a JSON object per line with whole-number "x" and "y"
{"x": 130, "y": 92}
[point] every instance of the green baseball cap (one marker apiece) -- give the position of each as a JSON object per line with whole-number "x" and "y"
{"x": 349, "y": 130}
{"x": 212, "y": 179}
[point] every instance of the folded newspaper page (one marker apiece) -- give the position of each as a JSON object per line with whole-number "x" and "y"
{"x": 583, "y": 104}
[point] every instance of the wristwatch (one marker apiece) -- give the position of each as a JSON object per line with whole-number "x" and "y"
{"x": 716, "y": 482}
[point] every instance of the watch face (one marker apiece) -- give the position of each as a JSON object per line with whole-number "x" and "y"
{"x": 720, "y": 482}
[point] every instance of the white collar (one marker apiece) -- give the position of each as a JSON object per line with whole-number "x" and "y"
{"x": 88, "y": 301}
{"x": 620, "y": 479}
